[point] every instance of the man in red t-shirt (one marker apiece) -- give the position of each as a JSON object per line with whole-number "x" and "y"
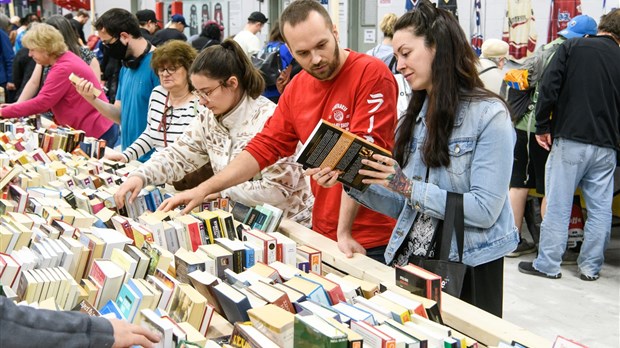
{"x": 353, "y": 91}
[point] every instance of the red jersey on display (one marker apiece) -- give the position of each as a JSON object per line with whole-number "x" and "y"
{"x": 362, "y": 99}
{"x": 562, "y": 11}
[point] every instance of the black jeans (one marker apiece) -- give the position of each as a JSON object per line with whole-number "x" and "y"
{"x": 376, "y": 253}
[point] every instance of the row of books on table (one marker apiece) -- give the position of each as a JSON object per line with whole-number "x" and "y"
{"x": 65, "y": 245}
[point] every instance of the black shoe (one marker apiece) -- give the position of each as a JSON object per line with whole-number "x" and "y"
{"x": 528, "y": 268}
{"x": 588, "y": 278}
{"x": 523, "y": 248}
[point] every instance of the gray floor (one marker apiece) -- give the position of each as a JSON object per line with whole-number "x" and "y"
{"x": 587, "y": 312}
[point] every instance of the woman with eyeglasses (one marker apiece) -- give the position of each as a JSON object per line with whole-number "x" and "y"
{"x": 47, "y": 47}
{"x": 227, "y": 83}
{"x": 172, "y": 106}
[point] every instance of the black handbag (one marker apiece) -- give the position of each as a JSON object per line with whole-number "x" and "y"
{"x": 452, "y": 274}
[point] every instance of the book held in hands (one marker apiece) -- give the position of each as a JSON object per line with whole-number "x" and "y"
{"x": 341, "y": 150}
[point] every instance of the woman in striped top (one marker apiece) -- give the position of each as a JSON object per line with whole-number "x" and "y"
{"x": 172, "y": 106}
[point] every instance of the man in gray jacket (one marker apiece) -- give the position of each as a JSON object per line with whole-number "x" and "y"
{"x": 23, "y": 326}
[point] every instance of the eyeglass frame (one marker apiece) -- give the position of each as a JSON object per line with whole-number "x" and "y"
{"x": 206, "y": 95}
{"x": 169, "y": 70}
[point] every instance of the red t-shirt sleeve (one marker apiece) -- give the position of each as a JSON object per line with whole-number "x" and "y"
{"x": 375, "y": 110}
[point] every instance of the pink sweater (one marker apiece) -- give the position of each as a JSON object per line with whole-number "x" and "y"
{"x": 60, "y": 96}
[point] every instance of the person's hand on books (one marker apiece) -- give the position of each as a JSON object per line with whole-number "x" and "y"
{"x": 325, "y": 177}
{"x": 127, "y": 334}
{"x": 113, "y": 155}
{"x": 387, "y": 172}
{"x": 133, "y": 184}
{"x": 189, "y": 198}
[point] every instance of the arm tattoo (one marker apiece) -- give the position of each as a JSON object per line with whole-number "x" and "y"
{"x": 400, "y": 183}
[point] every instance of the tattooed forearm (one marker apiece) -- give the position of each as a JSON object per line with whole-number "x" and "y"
{"x": 399, "y": 182}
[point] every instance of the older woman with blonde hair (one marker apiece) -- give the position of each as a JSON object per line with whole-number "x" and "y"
{"x": 47, "y": 47}
{"x": 172, "y": 106}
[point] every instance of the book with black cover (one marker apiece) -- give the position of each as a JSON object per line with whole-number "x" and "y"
{"x": 341, "y": 150}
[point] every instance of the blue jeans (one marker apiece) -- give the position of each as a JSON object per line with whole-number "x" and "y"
{"x": 571, "y": 164}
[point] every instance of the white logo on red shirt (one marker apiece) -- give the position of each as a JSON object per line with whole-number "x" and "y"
{"x": 375, "y": 99}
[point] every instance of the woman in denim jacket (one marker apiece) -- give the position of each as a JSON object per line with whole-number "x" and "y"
{"x": 455, "y": 136}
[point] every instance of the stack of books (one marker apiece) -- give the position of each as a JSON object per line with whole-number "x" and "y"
{"x": 65, "y": 244}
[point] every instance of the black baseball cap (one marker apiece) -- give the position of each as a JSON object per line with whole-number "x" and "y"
{"x": 257, "y": 17}
{"x": 145, "y": 16}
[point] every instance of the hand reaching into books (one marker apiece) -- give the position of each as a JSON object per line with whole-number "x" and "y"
{"x": 114, "y": 155}
{"x": 132, "y": 185}
{"x": 387, "y": 173}
{"x": 128, "y": 335}
{"x": 188, "y": 198}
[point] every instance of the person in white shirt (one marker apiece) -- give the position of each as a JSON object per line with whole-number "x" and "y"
{"x": 492, "y": 60}
{"x": 247, "y": 38}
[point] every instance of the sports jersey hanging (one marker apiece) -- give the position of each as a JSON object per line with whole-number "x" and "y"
{"x": 520, "y": 29}
{"x": 449, "y": 5}
{"x": 476, "y": 27}
{"x": 411, "y": 4}
{"x": 562, "y": 11}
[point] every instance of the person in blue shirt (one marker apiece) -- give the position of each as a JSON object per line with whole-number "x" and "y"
{"x": 276, "y": 42}
{"x": 6, "y": 58}
{"x": 119, "y": 30}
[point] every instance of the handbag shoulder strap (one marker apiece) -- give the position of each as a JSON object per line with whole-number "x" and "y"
{"x": 454, "y": 220}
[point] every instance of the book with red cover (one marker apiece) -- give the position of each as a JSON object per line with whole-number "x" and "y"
{"x": 419, "y": 281}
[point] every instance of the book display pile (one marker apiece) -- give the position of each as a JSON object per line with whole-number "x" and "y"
{"x": 220, "y": 276}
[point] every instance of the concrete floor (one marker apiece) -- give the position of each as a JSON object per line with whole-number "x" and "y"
{"x": 587, "y": 312}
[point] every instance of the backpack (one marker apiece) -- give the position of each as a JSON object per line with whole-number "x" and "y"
{"x": 268, "y": 62}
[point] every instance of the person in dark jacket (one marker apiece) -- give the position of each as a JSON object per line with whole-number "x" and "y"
{"x": 173, "y": 31}
{"x": 78, "y": 24}
{"x": 149, "y": 25}
{"x": 23, "y": 66}
{"x": 211, "y": 35}
{"x": 581, "y": 87}
{"x": 6, "y": 58}
{"x": 23, "y": 326}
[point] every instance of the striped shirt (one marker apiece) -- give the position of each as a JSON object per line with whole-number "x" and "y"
{"x": 177, "y": 118}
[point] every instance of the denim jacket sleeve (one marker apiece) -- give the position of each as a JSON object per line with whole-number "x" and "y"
{"x": 379, "y": 199}
{"x": 484, "y": 189}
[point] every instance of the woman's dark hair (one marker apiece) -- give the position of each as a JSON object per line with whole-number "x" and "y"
{"x": 116, "y": 21}
{"x": 220, "y": 62}
{"x": 454, "y": 78}
{"x": 212, "y": 31}
{"x": 275, "y": 34}
{"x": 66, "y": 29}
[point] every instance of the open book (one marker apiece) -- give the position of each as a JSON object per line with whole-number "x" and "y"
{"x": 341, "y": 150}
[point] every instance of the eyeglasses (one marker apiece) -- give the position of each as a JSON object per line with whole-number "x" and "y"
{"x": 205, "y": 95}
{"x": 169, "y": 70}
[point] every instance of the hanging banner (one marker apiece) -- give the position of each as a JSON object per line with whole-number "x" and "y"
{"x": 476, "y": 28}
{"x": 73, "y": 5}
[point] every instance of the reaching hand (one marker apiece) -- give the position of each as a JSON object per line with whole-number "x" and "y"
{"x": 348, "y": 246}
{"x": 114, "y": 155}
{"x": 189, "y": 198}
{"x": 325, "y": 177}
{"x": 386, "y": 172}
{"x": 133, "y": 184}
{"x": 127, "y": 334}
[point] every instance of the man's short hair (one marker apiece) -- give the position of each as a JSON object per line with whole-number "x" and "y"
{"x": 116, "y": 21}
{"x": 83, "y": 13}
{"x": 298, "y": 12}
{"x": 611, "y": 23}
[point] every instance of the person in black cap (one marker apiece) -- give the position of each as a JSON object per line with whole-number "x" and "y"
{"x": 173, "y": 31}
{"x": 247, "y": 38}
{"x": 211, "y": 35}
{"x": 149, "y": 24}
